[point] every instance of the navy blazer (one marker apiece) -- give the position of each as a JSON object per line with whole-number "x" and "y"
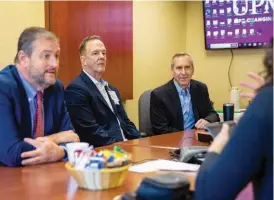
{"x": 91, "y": 116}
{"x": 15, "y": 118}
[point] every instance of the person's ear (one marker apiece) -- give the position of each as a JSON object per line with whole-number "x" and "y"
{"x": 23, "y": 58}
{"x": 171, "y": 71}
{"x": 83, "y": 60}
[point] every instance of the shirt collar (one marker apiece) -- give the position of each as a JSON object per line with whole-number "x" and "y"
{"x": 29, "y": 88}
{"x": 179, "y": 88}
{"x": 101, "y": 82}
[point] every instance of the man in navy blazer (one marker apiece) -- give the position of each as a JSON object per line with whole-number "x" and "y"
{"x": 95, "y": 107}
{"x": 26, "y": 136}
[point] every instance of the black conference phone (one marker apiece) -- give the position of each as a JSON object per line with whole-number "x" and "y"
{"x": 196, "y": 154}
{"x": 190, "y": 154}
{"x": 193, "y": 154}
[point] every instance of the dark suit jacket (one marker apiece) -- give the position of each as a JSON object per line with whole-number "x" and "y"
{"x": 15, "y": 118}
{"x": 91, "y": 116}
{"x": 166, "y": 111}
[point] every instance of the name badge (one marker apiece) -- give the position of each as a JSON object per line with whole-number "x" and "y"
{"x": 114, "y": 97}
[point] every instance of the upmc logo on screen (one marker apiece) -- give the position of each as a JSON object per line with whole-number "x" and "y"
{"x": 238, "y": 23}
{"x": 255, "y": 5}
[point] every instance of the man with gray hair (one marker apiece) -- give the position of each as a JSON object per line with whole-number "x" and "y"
{"x": 182, "y": 103}
{"x": 95, "y": 107}
{"x": 34, "y": 120}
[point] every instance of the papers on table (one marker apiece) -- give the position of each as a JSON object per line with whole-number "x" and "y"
{"x": 156, "y": 165}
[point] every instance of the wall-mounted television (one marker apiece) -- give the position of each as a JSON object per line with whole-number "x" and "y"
{"x": 230, "y": 24}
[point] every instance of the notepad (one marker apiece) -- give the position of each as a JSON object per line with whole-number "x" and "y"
{"x": 156, "y": 165}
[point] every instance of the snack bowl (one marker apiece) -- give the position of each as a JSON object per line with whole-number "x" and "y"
{"x": 98, "y": 179}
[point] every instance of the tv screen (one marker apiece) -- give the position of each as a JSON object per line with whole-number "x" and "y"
{"x": 237, "y": 23}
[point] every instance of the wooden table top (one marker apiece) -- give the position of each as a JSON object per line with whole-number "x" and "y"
{"x": 170, "y": 141}
{"x": 51, "y": 181}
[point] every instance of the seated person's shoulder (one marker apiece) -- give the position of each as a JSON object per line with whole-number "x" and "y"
{"x": 267, "y": 90}
{"x": 260, "y": 111}
{"x": 7, "y": 81}
{"x": 264, "y": 97}
{"x": 77, "y": 85}
{"x": 199, "y": 84}
{"x": 76, "y": 91}
{"x": 161, "y": 89}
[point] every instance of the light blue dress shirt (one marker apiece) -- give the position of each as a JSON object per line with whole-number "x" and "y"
{"x": 31, "y": 94}
{"x": 32, "y": 99}
{"x": 187, "y": 110}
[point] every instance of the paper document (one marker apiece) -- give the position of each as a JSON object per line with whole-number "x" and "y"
{"x": 156, "y": 165}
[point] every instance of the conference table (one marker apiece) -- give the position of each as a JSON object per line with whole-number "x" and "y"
{"x": 51, "y": 181}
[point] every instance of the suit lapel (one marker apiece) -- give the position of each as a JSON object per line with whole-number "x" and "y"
{"x": 93, "y": 88}
{"x": 177, "y": 104}
{"x": 194, "y": 96}
{"x": 112, "y": 102}
{"x": 25, "y": 110}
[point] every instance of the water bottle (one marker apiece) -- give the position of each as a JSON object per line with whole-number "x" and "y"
{"x": 235, "y": 98}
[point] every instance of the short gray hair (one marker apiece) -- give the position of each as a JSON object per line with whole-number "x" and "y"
{"x": 181, "y": 54}
{"x": 28, "y": 36}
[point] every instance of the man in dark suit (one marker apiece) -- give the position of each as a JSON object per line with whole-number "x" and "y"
{"x": 33, "y": 118}
{"x": 182, "y": 103}
{"x": 95, "y": 107}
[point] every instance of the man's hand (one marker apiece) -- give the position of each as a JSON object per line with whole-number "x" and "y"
{"x": 45, "y": 152}
{"x": 62, "y": 137}
{"x": 200, "y": 124}
{"x": 220, "y": 140}
{"x": 259, "y": 83}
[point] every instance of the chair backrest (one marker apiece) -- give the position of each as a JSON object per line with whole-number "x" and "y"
{"x": 144, "y": 113}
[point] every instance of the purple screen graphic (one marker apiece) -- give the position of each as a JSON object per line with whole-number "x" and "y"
{"x": 238, "y": 23}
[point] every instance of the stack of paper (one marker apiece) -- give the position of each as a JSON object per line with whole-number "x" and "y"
{"x": 156, "y": 165}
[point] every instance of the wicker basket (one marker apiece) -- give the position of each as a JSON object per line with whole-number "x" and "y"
{"x": 98, "y": 179}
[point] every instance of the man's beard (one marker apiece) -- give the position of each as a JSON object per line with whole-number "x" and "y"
{"x": 39, "y": 79}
